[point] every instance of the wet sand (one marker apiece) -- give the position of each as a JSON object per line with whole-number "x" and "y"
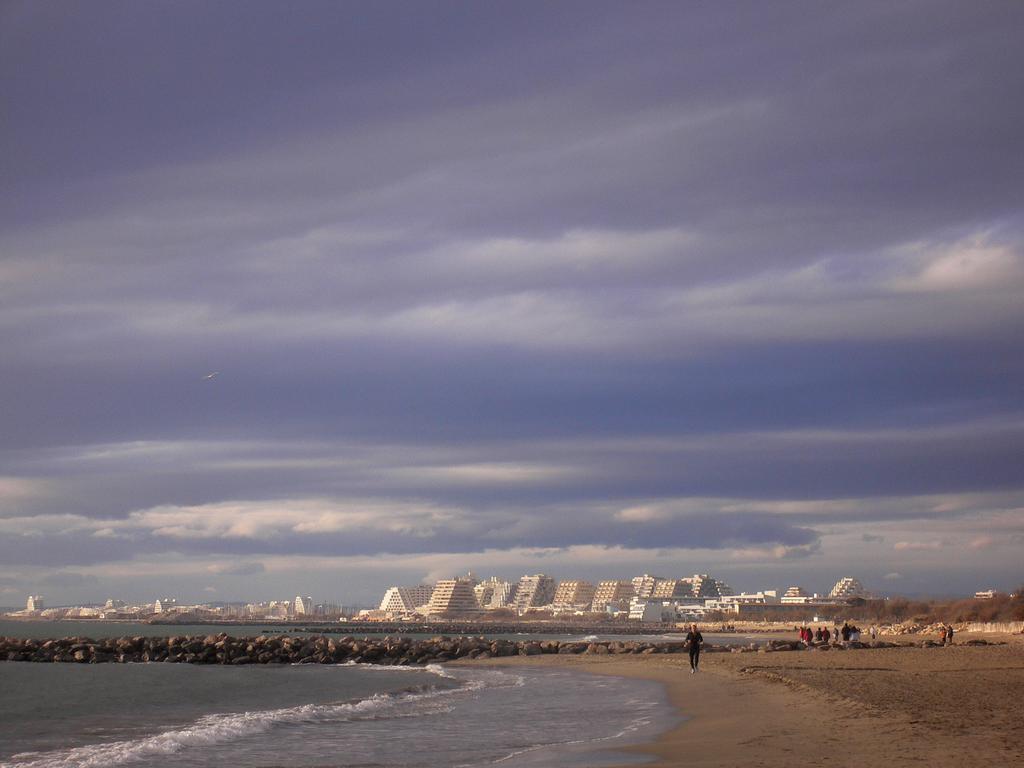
{"x": 955, "y": 706}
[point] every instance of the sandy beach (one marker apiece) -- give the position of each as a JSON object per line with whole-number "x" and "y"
{"x": 954, "y": 706}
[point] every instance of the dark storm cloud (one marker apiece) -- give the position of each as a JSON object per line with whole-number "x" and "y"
{"x": 504, "y": 260}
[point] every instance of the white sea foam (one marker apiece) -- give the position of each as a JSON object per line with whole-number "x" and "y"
{"x": 633, "y": 726}
{"x": 220, "y": 728}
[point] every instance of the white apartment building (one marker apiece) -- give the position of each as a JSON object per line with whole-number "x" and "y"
{"x": 733, "y": 603}
{"x": 573, "y": 595}
{"x": 705, "y": 587}
{"x": 643, "y": 586}
{"x": 165, "y": 605}
{"x": 399, "y": 600}
{"x": 453, "y": 598}
{"x": 847, "y": 587}
{"x": 796, "y": 596}
{"x": 35, "y": 603}
{"x": 484, "y": 591}
{"x": 503, "y": 595}
{"x": 303, "y": 605}
{"x": 655, "y": 611}
{"x": 672, "y": 589}
{"x": 614, "y": 593}
{"x": 534, "y": 591}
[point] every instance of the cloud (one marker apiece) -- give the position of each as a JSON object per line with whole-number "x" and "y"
{"x": 63, "y": 579}
{"x": 676, "y": 302}
{"x": 918, "y": 546}
{"x": 893, "y": 576}
{"x": 983, "y": 542}
{"x": 249, "y": 568}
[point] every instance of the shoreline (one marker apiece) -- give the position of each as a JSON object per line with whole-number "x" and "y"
{"x": 899, "y": 707}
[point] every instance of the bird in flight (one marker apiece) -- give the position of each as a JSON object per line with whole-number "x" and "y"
{"x": 209, "y": 376}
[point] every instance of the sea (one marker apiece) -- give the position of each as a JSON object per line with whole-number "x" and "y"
{"x": 184, "y": 716}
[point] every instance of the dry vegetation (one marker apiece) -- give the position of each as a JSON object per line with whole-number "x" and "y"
{"x": 1002, "y": 607}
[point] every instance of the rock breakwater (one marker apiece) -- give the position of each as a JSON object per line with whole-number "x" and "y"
{"x": 285, "y": 649}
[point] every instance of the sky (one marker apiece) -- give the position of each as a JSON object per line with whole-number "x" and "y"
{"x": 317, "y": 298}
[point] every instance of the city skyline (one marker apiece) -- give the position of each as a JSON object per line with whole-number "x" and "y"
{"x": 322, "y": 298}
{"x": 370, "y": 599}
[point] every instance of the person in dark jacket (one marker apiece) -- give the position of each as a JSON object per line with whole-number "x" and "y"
{"x": 694, "y": 640}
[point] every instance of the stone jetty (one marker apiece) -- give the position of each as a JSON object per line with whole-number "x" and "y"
{"x": 294, "y": 649}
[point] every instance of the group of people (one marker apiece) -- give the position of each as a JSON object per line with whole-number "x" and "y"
{"x": 848, "y": 632}
{"x": 946, "y": 634}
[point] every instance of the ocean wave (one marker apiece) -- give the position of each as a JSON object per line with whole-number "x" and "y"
{"x": 215, "y": 729}
{"x": 631, "y": 727}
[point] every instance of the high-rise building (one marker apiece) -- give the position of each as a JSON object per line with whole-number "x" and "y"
{"x": 611, "y": 593}
{"x": 534, "y": 591}
{"x": 847, "y": 587}
{"x": 486, "y": 590}
{"x": 34, "y": 603}
{"x": 164, "y": 604}
{"x": 453, "y": 598}
{"x": 643, "y": 586}
{"x": 671, "y": 589}
{"x": 707, "y": 588}
{"x": 573, "y": 595}
{"x": 503, "y": 595}
{"x": 303, "y": 605}
{"x": 398, "y": 600}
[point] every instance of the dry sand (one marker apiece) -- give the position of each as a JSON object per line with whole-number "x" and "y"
{"x": 955, "y": 706}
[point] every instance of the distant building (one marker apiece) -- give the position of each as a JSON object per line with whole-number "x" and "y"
{"x": 847, "y": 587}
{"x": 503, "y": 595}
{"x": 34, "y": 603}
{"x": 399, "y": 600}
{"x": 985, "y": 594}
{"x": 749, "y": 601}
{"x": 573, "y": 595}
{"x": 671, "y": 589}
{"x": 303, "y": 605}
{"x": 796, "y": 596}
{"x": 534, "y": 591}
{"x": 453, "y": 598}
{"x": 643, "y": 586}
{"x": 280, "y": 609}
{"x": 164, "y": 605}
{"x": 615, "y": 593}
{"x": 707, "y": 588}
{"x": 484, "y": 591}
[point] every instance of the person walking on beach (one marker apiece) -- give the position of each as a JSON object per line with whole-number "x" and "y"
{"x": 694, "y": 640}
{"x": 949, "y": 634}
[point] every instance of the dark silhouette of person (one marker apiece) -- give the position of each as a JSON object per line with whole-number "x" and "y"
{"x": 694, "y": 640}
